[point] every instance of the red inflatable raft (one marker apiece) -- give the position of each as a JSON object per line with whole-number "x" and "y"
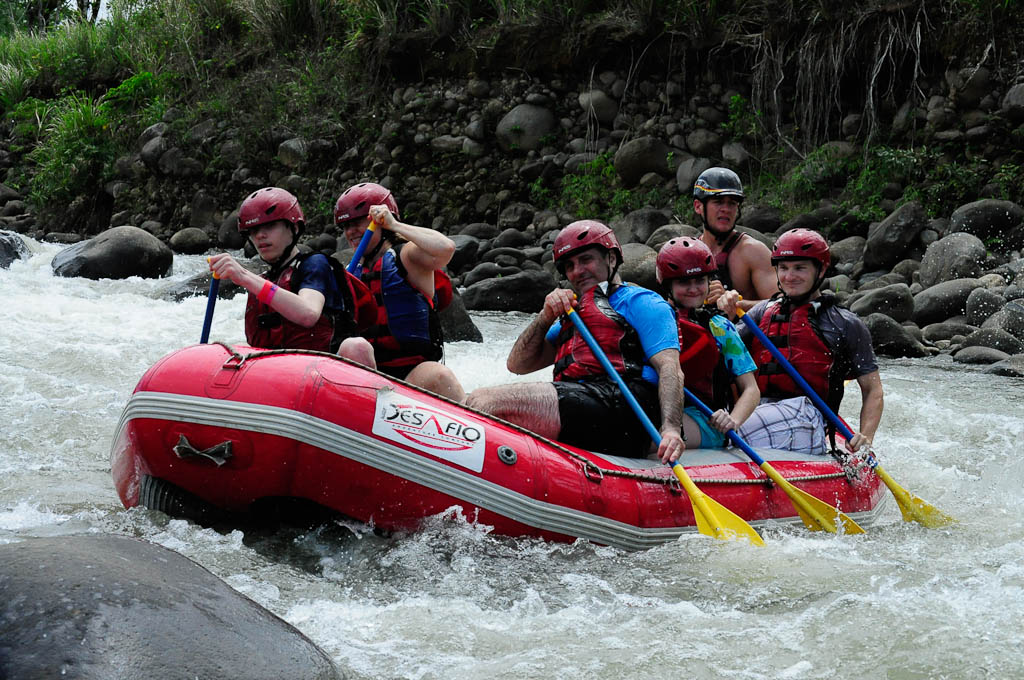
{"x": 226, "y": 428}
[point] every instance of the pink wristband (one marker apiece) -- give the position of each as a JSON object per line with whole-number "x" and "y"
{"x": 266, "y": 293}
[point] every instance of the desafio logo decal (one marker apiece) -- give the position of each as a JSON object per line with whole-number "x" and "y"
{"x": 429, "y": 428}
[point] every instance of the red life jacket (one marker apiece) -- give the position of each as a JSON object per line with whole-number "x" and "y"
{"x": 704, "y": 371}
{"x": 621, "y": 343}
{"x": 722, "y": 259}
{"x": 407, "y": 330}
{"x": 269, "y": 329}
{"x": 795, "y": 332}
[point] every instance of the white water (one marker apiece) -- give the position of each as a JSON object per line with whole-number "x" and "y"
{"x": 902, "y": 602}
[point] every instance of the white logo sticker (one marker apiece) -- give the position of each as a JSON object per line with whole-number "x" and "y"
{"x": 429, "y": 428}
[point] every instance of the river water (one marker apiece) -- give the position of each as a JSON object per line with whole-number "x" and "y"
{"x": 452, "y": 601}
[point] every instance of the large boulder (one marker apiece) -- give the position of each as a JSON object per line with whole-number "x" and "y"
{"x": 942, "y": 301}
{"x": 522, "y": 292}
{"x": 889, "y": 239}
{"x": 112, "y": 607}
{"x": 190, "y": 241}
{"x": 848, "y": 250}
{"x": 1012, "y": 367}
{"x": 759, "y": 216}
{"x": 456, "y": 324}
{"x": 638, "y": 266}
{"x": 976, "y": 354}
{"x": 637, "y": 226}
{"x": 600, "y": 105}
{"x": 994, "y": 338}
{"x": 666, "y": 233}
{"x": 981, "y": 304}
{"x": 944, "y": 330}
{"x": 12, "y": 247}
{"x": 688, "y": 172}
{"x": 1013, "y": 103}
{"x": 639, "y": 156}
{"x": 895, "y": 301}
{"x": 989, "y": 218}
{"x": 116, "y": 254}
{"x": 957, "y": 256}
{"x": 523, "y": 127}
{"x": 891, "y": 339}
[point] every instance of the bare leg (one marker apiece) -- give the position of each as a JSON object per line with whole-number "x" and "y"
{"x": 358, "y": 350}
{"x": 691, "y": 433}
{"x": 437, "y": 378}
{"x": 531, "y": 405}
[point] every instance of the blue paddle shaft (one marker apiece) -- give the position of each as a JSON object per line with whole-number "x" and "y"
{"x": 582, "y": 329}
{"x": 798, "y": 379}
{"x": 731, "y": 434}
{"x": 360, "y": 249}
{"x": 211, "y": 301}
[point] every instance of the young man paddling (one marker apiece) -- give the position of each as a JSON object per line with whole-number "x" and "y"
{"x": 826, "y": 343}
{"x": 744, "y": 263}
{"x": 635, "y": 328}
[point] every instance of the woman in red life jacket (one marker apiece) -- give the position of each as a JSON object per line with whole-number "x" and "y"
{"x": 297, "y": 303}
{"x": 713, "y": 358}
{"x": 825, "y": 342}
{"x": 402, "y": 266}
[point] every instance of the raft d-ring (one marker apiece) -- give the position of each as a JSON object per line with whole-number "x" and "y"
{"x": 675, "y": 488}
{"x": 589, "y": 467}
{"x": 507, "y": 455}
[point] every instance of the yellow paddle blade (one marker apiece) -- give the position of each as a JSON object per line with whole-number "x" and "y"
{"x": 817, "y": 515}
{"x": 713, "y": 518}
{"x": 913, "y": 508}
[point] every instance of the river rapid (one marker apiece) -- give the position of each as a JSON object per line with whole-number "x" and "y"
{"x": 453, "y": 601}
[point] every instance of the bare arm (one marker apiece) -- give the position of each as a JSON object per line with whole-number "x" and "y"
{"x": 871, "y": 406}
{"x": 531, "y": 352}
{"x": 670, "y": 397}
{"x": 762, "y": 281}
{"x": 723, "y": 420}
{"x": 426, "y": 251}
{"x": 303, "y": 308}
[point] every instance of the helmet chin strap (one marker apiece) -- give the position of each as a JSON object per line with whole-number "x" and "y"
{"x": 720, "y": 239}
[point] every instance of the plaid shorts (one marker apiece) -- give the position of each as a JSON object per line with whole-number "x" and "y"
{"x": 788, "y": 424}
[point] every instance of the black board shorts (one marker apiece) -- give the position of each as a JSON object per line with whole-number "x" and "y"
{"x": 596, "y": 417}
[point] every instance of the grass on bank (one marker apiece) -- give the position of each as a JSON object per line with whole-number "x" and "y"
{"x": 78, "y": 94}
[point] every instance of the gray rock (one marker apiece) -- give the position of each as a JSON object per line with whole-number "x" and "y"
{"x": 115, "y": 254}
{"x": 152, "y": 150}
{"x": 850, "y": 249}
{"x": 152, "y": 132}
{"x": 638, "y": 265}
{"x": 1013, "y": 313}
{"x": 600, "y": 105}
{"x": 989, "y": 218}
{"x": 943, "y": 300}
{"x": 512, "y": 238}
{"x": 1013, "y": 103}
{"x": 228, "y": 235}
{"x": 447, "y": 143}
{"x": 957, "y": 256}
{"x": 466, "y": 248}
{"x": 523, "y": 127}
{"x": 487, "y": 270}
{"x": 945, "y": 330}
{"x": 979, "y": 355}
{"x": 1012, "y": 367}
{"x": 175, "y": 163}
{"x": 891, "y": 339}
{"x": 456, "y": 324}
{"x": 639, "y": 225}
{"x": 113, "y": 607}
{"x": 203, "y": 210}
{"x": 190, "y": 241}
{"x": 293, "y": 152}
{"x": 981, "y": 304}
{"x": 515, "y": 216}
{"x": 522, "y": 292}
{"x": 12, "y": 247}
{"x": 481, "y": 230}
{"x": 515, "y": 256}
{"x": 735, "y": 155}
{"x": 895, "y": 301}
{"x": 639, "y": 156}
{"x": 666, "y": 233}
{"x": 995, "y": 338}
{"x": 763, "y": 218}
{"x": 704, "y": 143}
{"x": 888, "y": 240}
{"x": 688, "y": 172}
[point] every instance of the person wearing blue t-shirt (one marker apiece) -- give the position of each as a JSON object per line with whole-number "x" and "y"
{"x": 635, "y": 328}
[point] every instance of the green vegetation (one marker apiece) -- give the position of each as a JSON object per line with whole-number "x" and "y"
{"x": 77, "y": 92}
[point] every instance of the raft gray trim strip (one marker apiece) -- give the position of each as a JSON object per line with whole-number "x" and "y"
{"x": 323, "y": 434}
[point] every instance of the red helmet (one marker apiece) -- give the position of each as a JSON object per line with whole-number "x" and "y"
{"x": 684, "y": 258}
{"x": 355, "y": 201}
{"x": 582, "y": 234}
{"x": 269, "y": 205}
{"x": 802, "y": 244}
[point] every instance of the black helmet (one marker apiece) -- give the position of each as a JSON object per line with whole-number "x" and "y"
{"x": 717, "y": 182}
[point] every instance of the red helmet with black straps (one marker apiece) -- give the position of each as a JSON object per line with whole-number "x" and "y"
{"x": 684, "y": 258}
{"x": 267, "y": 205}
{"x": 355, "y": 201}
{"x": 802, "y": 244}
{"x": 583, "y": 234}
